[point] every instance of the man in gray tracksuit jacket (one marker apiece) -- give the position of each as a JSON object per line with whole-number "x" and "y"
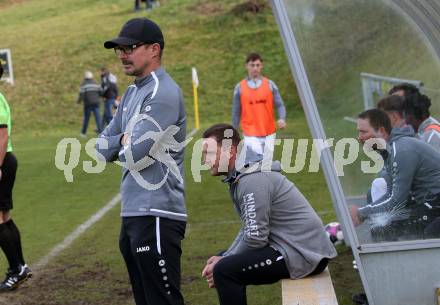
{"x": 281, "y": 235}
{"x": 147, "y": 135}
{"x": 155, "y": 190}
{"x": 412, "y": 203}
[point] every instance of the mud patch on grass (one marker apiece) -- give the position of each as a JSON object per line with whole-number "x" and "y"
{"x": 4, "y": 3}
{"x": 208, "y": 9}
{"x": 71, "y": 285}
{"x": 250, "y": 6}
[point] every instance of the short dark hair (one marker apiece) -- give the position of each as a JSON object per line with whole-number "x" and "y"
{"x": 418, "y": 105}
{"x": 254, "y": 57}
{"x": 377, "y": 119}
{"x": 1, "y": 70}
{"x": 406, "y": 88}
{"x": 394, "y": 103}
{"x": 218, "y": 132}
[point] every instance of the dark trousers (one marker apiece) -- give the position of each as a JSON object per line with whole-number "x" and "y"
{"x": 151, "y": 247}
{"x": 7, "y": 180}
{"x": 422, "y": 222}
{"x": 108, "y": 115}
{"x": 137, "y": 6}
{"x": 87, "y": 110}
{"x": 256, "y": 267}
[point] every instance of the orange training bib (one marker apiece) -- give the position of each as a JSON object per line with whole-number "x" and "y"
{"x": 257, "y": 114}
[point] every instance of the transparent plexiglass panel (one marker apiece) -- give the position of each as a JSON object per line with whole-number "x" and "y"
{"x": 353, "y": 52}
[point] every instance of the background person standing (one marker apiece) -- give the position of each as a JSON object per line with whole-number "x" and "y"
{"x": 148, "y": 3}
{"x": 90, "y": 94}
{"x": 109, "y": 89}
{"x": 255, "y": 98}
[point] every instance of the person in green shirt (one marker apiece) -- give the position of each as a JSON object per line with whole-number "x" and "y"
{"x": 10, "y": 241}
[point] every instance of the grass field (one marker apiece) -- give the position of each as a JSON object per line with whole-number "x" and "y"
{"x": 52, "y": 43}
{"x": 91, "y": 271}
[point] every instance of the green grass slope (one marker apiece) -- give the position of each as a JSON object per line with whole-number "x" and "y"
{"x": 53, "y": 43}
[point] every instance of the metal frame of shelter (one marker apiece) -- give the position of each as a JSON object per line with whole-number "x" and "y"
{"x": 361, "y": 252}
{"x": 10, "y": 77}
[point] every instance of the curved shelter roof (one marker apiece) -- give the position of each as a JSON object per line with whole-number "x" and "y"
{"x": 426, "y": 15}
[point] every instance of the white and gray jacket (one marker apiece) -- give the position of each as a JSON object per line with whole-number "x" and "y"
{"x": 414, "y": 170}
{"x": 274, "y": 213}
{"x": 430, "y": 135}
{"x": 152, "y": 184}
{"x": 89, "y": 93}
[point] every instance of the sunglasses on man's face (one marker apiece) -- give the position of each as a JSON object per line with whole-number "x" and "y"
{"x": 127, "y": 50}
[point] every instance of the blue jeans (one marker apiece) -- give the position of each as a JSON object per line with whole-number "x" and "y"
{"x": 149, "y": 4}
{"x": 108, "y": 115}
{"x": 87, "y": 110}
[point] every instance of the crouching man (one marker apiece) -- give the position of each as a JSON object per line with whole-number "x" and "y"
{"x": 281, "y": 235}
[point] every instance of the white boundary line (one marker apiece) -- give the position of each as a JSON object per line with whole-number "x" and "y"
{"x": 77, "y": 232}
{"x": 82, "y": 228}
{"x": 192, "y": 132}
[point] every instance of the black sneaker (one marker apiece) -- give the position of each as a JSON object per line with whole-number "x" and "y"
{"x": 10, "y": 283}
{"x": 25, "y": 273}
{"x": 360, "y": 298}
{"x": 13, "y": 280}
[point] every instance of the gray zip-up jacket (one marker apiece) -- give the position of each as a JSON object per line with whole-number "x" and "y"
{"x": 274, "y": 213}
{"x": 152, "y": 184}
{"x": 89, "y": 93}
{"x": 414, "y": 168}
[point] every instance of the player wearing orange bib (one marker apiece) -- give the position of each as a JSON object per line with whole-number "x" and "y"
{"x": 255, "y": 98}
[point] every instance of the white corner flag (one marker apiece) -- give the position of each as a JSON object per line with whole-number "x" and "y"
{"x": 195, "y": 81}
{"x": 195, "y": 77}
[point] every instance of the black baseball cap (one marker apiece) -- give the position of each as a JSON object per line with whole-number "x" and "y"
{"x": 137, "y": 30}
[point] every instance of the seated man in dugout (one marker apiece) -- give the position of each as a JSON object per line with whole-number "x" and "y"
{"x": 411, "y": 207}
{"x": 417, "y": 114}
{"x": 281, "y": 235}
{"x": 394, "y": 107}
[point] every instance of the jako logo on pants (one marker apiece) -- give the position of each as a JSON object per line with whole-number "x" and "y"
{"x": 142, "y": 249}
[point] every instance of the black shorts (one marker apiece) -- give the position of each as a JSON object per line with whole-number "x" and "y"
{"x": 9, "y": 169}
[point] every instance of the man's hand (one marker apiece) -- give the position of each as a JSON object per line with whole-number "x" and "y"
{"x": 354, "y": 212}
{"x": 281, "y": 124}
{"x": 207, "y": 272}
{"x": 124, "y": 139}
{"x": 0, "y": 174}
